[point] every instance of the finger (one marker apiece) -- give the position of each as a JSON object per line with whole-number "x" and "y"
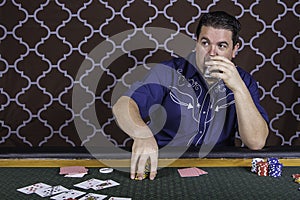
{"x": 154, "y": 163}
{"x": 214, "y": 72}
{"x": 134, "y": 160}
{"x": 224, "y": 75}
{"x": 219, "y": 61}
{"x": 221, "y": 67}
{"x": 217, "y": 65}
{"x": 216, "y": 75}
{"x": 213, "y": 66}
{"x": 220, "y": 58}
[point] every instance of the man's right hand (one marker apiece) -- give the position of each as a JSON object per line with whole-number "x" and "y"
{"x": 142, "y": 150}
{"x": 144, "y": 146}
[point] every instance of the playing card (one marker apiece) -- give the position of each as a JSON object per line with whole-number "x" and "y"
{"x": 32, "y": 188}
{"x": 201, "y": 171}
{"x": 79, "y": 175}
{"x": 105, "y": 184}
{"x": 73, "y": 170}
{"x": 68, "y": 194}
{"x": 88, "y": 183}
{"x": 94, "y": 196}
{"x": 190, "y": 172}
{"x": 46, "y": 192}
{"x": 119, "y": 198}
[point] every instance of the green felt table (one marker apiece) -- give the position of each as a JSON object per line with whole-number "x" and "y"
{"x": 219, "y": 183}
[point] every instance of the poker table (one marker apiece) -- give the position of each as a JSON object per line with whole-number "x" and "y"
{"x": 229, "y": 175}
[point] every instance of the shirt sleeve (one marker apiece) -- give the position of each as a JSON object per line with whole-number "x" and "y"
{"x": 254, "y": 92}
{"x": 151, "y": 89}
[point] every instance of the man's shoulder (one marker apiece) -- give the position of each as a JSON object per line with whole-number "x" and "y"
{"x": 184, "y": 65}
{"x": 243, "y": 73}
{"x": 175, "y": 62}
{"x": 246, "y": 76}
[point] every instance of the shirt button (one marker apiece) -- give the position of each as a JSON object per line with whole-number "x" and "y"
{"x": 204, "y": 112}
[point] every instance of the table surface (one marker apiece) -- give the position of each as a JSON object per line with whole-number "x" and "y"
{"x": 219, "y": 183}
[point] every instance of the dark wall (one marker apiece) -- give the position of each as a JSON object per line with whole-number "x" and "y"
{"x": 63, "y": 63}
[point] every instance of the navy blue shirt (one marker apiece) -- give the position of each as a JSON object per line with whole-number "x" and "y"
{"x": 181, "y": 109}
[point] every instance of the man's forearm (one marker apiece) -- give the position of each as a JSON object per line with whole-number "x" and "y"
{"x": 144, "y": 146}
{"x": 129, "y": 119}
{"x": 253, "y": 128}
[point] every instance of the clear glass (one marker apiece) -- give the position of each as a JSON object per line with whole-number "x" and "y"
{"x": 206, "y": 68}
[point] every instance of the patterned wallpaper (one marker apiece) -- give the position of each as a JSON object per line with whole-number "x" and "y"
{"x": 63, "y": 63}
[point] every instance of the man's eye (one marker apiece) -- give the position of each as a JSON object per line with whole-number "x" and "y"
{"x": 223, "y": 46}
{"x": 205, "y": 43}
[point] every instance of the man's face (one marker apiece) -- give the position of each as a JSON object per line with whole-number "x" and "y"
{"x": 214, "y": 42}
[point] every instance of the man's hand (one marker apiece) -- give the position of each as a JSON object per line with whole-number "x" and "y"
{"x": 253, "y": 129}
{"x": 144, "y": 146}
{"x": 223, "y": 68}
{"x": 143, "y": 149}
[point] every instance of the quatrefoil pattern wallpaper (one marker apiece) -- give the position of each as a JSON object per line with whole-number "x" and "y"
{"x": 62, "y": 60}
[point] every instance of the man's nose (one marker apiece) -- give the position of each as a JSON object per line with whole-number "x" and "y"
{"x": 213, "y": 50}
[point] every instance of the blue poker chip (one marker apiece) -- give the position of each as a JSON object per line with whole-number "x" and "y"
{"x": 273, "y": 160}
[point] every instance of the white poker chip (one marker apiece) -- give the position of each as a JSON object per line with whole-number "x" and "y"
{"x": 106, "y": 170}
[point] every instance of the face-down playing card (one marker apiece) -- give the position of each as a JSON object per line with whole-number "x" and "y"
{"x": 191, "y": 171}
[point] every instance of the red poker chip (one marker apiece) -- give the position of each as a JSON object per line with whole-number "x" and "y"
{"x": 262, "y": 169}
{"x": 296, "y": 176}
{"x": 262, "y": 173}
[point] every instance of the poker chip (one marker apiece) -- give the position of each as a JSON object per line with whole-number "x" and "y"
{"x": 106, "y": 170}
{"x": 146, "y": 173}
{"x": 147, "y": 166}
{"x": 272, "y": 167}
{"x": 275, "y": 170}
{"x": 272, "y": 161}
{"x": 297, "y": 180}
{"x": 296, "y": 175}
{"x": 275, "y": 167}
{"x": 254, "y": 164}
{"x": 262, "y": 168}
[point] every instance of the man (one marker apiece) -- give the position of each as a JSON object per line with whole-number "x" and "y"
{"x": 193, "y": 118}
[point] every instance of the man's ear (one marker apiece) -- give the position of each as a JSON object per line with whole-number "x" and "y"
{"x": 235, "y": 49}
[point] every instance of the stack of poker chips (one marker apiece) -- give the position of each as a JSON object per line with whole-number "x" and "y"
{"x": 271, "y": 167}
{"x": 262, "y": 168}
{"x": 275, "y": 167}
{"x": 146, "y": 171}
{"x": 254, "y": 164}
